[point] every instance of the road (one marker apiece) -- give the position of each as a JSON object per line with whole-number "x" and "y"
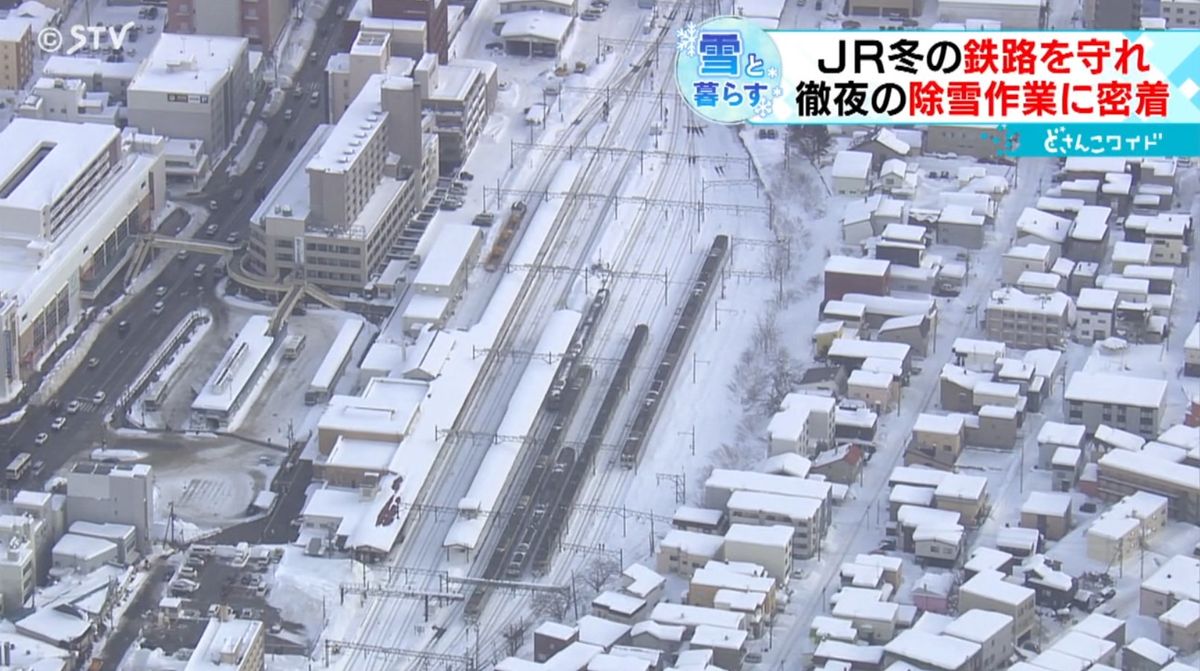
{"x": 122, "y": 355}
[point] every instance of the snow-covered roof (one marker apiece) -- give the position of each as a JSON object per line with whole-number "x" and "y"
{"x": 195, "y": 65}
{"x": 962, "y": 487}
{"x": 1182, "y": 435}
{"x": 693, "y": 543}
{"x": 1030, "y": 252}
{"x": 984, "y": 558}
{"x": 1057, "y": 433}
{"x": 719, "y": 638}
{"x": 960, "y": 215}
{"x": 941, "y": 584}
{"x": 447, "y": 256}
{"x": 991, "y": 585}
{"x": 385, "y": 409}
{"x": 1082, "y": 646}
{"x": 1183, "y": 615}
{"x": 1055, "y": 304}
{"x": 224, "y": 645}
{"x": 696, "y": 515}
{"x": 243, "y": 359}
{"x": 861, "y": 349}
{"x": 714, "y": 575}
{"x": 940, "y": 424}
{"x": 623, "y": 604}
{"x": 1113, "y": 527}
{"x": 555, "y": 630}
{"x": 729, "y": 480}
{"x": 543, "y": 26}
{"x": 1116, "y": 389}
{"x": 1153, "y": 273}
{"x": 1091, "y": 223}
{"x": 1059, "y": 661}
{"x": 42, "y": 160}
{"x": 337, "y": 354}
{"x": 1098, "y": 625}
{"x": 911, "y": 495}
{"x": 357, "y": 453}
{"x": 777, "y": 536}
{"x": 354, "y": 131}
{"x": 788, "y": 463}
{"x": 1043, "y": 225}
{"x": 662, "y": 632}
{"x": 978, "y": 626}
{"x": 1179, "y": 576}
{"x": 852, "y": 165}
{"x": 943, "y": 652}
{"x": 916, "y": 476}
{"x": 907, "y": 321}
{"x": 1132, "y": 252}
{"x": 851, "y": 265}
{"x": 826, "y": 627}
{"x": 694, "y": 616}
{"x": 870, "y": 656}
{"x": 1149, "y": 650}
{"x": 642, "y": 581}
{"x": 1118, "y": 438}
{"x": 918, "y": 516}
{"x": 786, "y": 507}
{"x": 1066, "y": 456}
{"x": 1039, "y": 280}
{"x": 82, "y": 547}
{"x": 904, "y": 233}
{"x": 893, "y": 306}
{"x": 862, "y": 378}
{"x": 1102, "y": 300}
{"x": 1095, "y": 164}
{"x": 599, "y": 631}
{"x": 1050, "y": 504}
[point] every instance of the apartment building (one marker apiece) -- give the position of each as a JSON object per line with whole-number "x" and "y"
{"x": 193, "y": 89}
{"x": 18, "y": 574}
{"x": 1181, "y": 13}
{"x": 1029, "y": 321}
{"x": 1176, "y": 580}
{"x": 433, "y": 13}
{"x": 1113, "y": 14}
{"x": 113, "y": 493}
{"x": 1125, "y": 402}
{"x": 343, "y": 202}
{"x": 229, "y": 644}
{"x": 1095, "y": 312}
{"x": 72, "y": 199}
{"x": 16, "y": 53}
{"x": 458, "y": 95}
{"x": 1125, "y": 472}
{"x": 802, "y": 514}
{"x": 259, "y": 21}
{"x": 988, "y": 590}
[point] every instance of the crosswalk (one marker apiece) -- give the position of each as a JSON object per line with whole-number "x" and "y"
{"x": 87, "y": 406}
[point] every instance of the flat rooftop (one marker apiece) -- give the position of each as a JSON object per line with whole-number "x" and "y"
{"x": 193, "y": 64}
{"x": 237, "y": 367}
{"x": 345, "y": 142}
{"x": 42, "y": 159}
{"x": 289, "y": 197}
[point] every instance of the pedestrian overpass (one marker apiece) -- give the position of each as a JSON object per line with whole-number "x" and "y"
{"x": 140, "y": 255}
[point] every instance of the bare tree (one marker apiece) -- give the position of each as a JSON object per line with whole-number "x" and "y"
{"x": 810, "y": 142}
{"x": 551, "y": 605}
{"x": 599, "y": 570}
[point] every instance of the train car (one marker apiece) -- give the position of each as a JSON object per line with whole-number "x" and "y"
{"x": 693, "y": 308}
{"x": 579, "y": 342}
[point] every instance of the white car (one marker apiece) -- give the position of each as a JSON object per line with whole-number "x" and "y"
{"x": 158, "y": 308}
{"x": 160, "y": 291}
{"x": 41, "y": 438}
{"x": 72, "y": 408}
{"x": 58, "y": 423}
{"x": 99, "y": 397}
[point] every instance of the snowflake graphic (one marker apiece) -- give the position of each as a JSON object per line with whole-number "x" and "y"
{"x": 765, "y": 109}
{"x": 772, "y": 72}
{"x": 687, "y": 40}
{"x": 777, "y": 92}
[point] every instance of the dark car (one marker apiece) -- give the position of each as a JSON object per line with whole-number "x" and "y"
{"x": 238, "y": 195}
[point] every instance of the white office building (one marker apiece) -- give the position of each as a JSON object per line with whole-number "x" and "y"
{"x": 72, "y": 198}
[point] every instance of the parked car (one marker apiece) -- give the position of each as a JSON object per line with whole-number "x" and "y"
{"x": 73, "y": 407}
{"x": 58, "y": 423}
{"x": 41, "y": 438}
{"x": 99, "y": 397}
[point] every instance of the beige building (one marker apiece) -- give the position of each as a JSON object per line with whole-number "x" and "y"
{"x": 767, "y": 546}
{"x": 1181, "y": 626}
{"x": 682, "y": 552}
{"x": 937, "y": 440}
{"x": 802, "y": 514}
{"x": 992, "y": 631}
{"x": 974, "y": 141}
{"x": 18, "y": 574}
{"x": 1048, "y": 512}
{"x": 192, "y": 89}
{"x": 346, "y": 198}
{"x": 229, "y": 644}
{"x": 260, "y": 21}
{"x": 1125, "y": 402}
{"x": 1029, "y": 321}
{"x": 16, "y": 53}
{"x": 988, "y": 590}
{"x": 879, "y": 390}
{"x": 1181, "y": 13}
{"x": 458, "y": 96}
{"x": 1176, "y": 580}
{"x": 963, "y": 494}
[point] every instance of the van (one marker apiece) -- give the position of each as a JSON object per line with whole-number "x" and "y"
{"x": 199, "y": 274}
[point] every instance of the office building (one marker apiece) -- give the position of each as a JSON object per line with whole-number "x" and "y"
{"x": 259, "y": 21}
{"x": 116, "y": 493}
{"x": 72, "y": 198}
{"x": 16, "y": 53}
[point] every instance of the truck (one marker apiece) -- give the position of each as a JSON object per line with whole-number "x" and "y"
{"x": 512, "y": 224}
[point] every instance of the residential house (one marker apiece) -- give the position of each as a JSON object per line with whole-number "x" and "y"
{"x": 936, "y": 652}
{"x": 1176, "y": 580}
{"x": 1067, "y": 466}
{"x": 551, "y": 638}
{"x": 682, "y": 552}
{"x": 1095, "y": 311}
{"x": 841, "y": 465}
{"x": 700, "y": 520}
{"x": 643, "y": 583}
{"x": 1029, "y": 321}
{"x": 1033, "y": 257}
{"x": 1167, "y": 237}
{"x": 937, "y": 441}
{"x": 1088, "y": 239}
{"x": 992, "y": 631}
{"x": 959, "y": 226}
{"x": 767, "y": 546}
{"x": 912, "y": 330}
{"x": 878, "y": 390}
{"x": 1181, "y": 626}
{"x": 1126, "y": 402}
{"x": 851, "y": 172}
{"x": 1143, "y": 654}
{"x": 729, "y": 646}
{"x": 804, "y": 425}
{"x": 803, "y": 515}
{"x": 1191, "y": 352}
{"x": 988, "y": 590}
{"x": 847, "y": 275}
{"x": 1048, "y": 512}
{"x": 931, "y": 593}
{"x": 963, "y": 494}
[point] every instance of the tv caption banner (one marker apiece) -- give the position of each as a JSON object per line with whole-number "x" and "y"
{"x": 1053, "y": 93}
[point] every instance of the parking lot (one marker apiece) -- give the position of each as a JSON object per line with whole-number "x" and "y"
{"x": 207, "y": 577}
